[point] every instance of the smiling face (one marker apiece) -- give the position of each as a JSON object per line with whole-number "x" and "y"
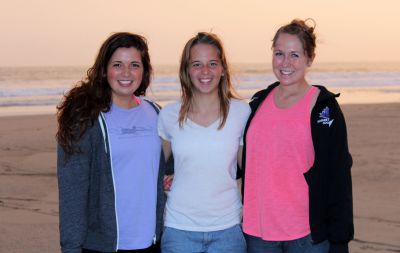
{"x": 205, "y": 69}
{"x": 124, "y": 74}
{"x": 289, "y": 62}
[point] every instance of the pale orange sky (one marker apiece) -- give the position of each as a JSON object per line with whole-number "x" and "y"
{"x": 62, "y": 32}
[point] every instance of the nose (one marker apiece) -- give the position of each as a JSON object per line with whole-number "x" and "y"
{"x": 126, "y": 71}
{"x": 204, "y": 69}
{"x": 286, "y": 61}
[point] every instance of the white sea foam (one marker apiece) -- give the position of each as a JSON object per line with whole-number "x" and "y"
{"x": 39, "y": 86}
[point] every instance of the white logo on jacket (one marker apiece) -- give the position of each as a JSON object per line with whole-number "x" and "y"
{"x": 324, "y": 117}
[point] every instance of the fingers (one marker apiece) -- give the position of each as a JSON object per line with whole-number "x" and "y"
{"x": 168, "y": 182}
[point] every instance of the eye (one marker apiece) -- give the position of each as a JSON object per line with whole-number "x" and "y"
{"x": 213, "y": 64}
{"x": 295, "y": 55}
{"x": 196, "y": 65}
{"x": 278, "y": 53}
{"x": 135, "y": 65}
{"x": 116, "y": 65}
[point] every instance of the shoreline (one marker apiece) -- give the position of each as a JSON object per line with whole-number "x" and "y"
{"x": 348, "y": 95}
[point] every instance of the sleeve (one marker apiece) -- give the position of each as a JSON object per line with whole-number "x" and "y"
{"x": 73, "y": 186}
{"x": 162, "y": 125}
{"x": 340, "y": 200}
{"x": 245, "y": 118}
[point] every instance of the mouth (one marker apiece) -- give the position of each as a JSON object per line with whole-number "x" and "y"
{"x": 125, "y": 83}
{"x": 205, "y": 80}
{"x": 286, "y": 72}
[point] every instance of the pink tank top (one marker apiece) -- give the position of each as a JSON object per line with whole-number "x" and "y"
{"x": 279, "y": 150}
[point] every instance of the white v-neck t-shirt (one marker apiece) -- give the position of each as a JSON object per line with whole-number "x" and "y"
{"x": 204, "y": 195}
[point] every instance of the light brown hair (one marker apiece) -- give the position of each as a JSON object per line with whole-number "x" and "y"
{"x": 304, "y": 32}
{"x": 226, "y": 90}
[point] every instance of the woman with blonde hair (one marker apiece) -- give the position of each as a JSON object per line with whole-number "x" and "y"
{"x": 204, "y": 132}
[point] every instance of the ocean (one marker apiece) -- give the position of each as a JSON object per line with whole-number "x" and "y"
{"x": 28, "y": 90}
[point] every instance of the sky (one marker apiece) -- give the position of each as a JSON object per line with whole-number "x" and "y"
{"x": 70, "y": 32}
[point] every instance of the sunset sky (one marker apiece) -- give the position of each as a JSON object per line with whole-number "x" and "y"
{"x": 69, "y": 33}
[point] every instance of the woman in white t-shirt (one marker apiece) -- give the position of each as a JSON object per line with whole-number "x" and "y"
{"x": 204, "y": 133}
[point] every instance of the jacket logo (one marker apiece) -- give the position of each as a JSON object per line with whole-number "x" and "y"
{"x": 324, "y": 117}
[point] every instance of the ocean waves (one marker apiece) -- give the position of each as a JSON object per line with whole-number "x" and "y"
{"x": 27, "y": 87}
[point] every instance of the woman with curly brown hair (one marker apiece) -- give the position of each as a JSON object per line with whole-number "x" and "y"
{"x": 110, "y": 164}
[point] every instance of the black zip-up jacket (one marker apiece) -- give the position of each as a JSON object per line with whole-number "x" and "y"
{"x": 329, "y": 179}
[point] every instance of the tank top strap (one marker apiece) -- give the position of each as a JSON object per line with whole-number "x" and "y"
{"x": 306, "y": 101}
{"x": 310, "y": 93}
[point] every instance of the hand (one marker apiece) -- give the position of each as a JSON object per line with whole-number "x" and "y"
{"x": 168, "y": 182}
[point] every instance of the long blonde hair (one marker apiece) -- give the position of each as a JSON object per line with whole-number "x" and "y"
{"x": 226, "y": 90}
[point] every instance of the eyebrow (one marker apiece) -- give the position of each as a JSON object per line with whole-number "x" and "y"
{"x": 216, "y": 60}
{"x": 280, "y": 50}
{"x": 129, "y": 62}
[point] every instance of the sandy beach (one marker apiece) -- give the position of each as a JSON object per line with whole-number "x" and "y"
{"x": 29, "y": 198}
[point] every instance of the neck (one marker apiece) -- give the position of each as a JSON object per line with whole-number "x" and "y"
{"x": 205, "y": 102}
{"x": 292, "y": 90}
{"x": 126, "y": 103}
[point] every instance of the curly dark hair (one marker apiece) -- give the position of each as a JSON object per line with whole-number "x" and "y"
{"x": 81, "y": 106}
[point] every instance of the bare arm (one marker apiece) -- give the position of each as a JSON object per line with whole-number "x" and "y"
{"x": 166, "y": 146}
{"x": 239, "y": 156}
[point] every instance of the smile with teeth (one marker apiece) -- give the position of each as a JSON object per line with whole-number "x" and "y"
{"x": 286, "y": 72}
{"x": 125, "y": 82}
{"x": 205, "y": 80}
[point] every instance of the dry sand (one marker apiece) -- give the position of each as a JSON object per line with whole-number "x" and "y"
{"x": 28, "y": 185}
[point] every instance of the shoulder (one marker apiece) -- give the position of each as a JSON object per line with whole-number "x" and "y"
{"x": 170, "y": 112}
{"x": 326, "y": 111}
{"x": 92, "y": 136}
{"x": 149, "y": 102}
{"x": 259, "y": 96}
{"x": 239, "y": 109}
{"x": 324, "y": 95}
{"x": 239, "y": 105}
{"x": 171, "y": 107}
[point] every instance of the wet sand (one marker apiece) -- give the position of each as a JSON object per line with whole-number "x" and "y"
{"x": 29, "y": 197}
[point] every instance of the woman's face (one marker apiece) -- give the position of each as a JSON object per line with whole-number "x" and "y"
{"x": 289, "y": 62}
{"x": 124, "y": 73}
{"x": 205, "y": 68}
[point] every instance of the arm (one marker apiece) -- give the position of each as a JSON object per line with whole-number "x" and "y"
{"x": 73, "y": 186}
{"x": 168, "y": 178}
{"x": 239, "y": 172}
{"x": 166, "y": 146}
{"x": 240, "y": 156}
{"x": 340, "y": 202}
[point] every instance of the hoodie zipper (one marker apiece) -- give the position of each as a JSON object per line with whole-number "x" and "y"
{"x": 104, "y": 128}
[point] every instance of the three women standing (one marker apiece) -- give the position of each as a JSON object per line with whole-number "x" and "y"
{"x": 297, "y": 184}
